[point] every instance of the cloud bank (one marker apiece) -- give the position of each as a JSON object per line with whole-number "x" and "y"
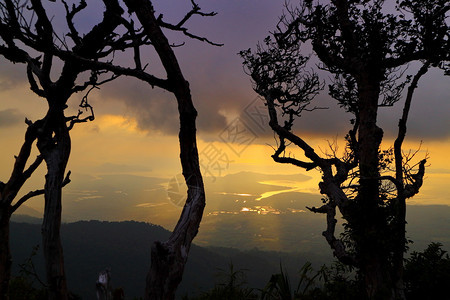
{"x": 10, "y": 118}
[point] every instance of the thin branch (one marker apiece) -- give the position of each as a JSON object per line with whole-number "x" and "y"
{"x": 32, "y": 68}
{"x": 44, "y": 28}
{"x": 27, "y": 173}
{"x": 289, "y": 160}
{"x": 84, "y": 102}
{"x": 187, "y": 33}
{"x": 35, "y": 193}
{"x": 195, "y": 11}
{"x": 118, "y": 70}
{"x": 29, "y": 268}
{"x": 19, "y": 175}
{"x": 179, "y": 26}
{"x": 70, "y": 14}
{"x": 402, "y": 123}
{"x": 283, "y": 133}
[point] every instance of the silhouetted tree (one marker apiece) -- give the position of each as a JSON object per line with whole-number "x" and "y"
{"x": 28, "y": 36}
{"x": 427, "y": 273}
{"x": 8, "y": 193}
{"x": 364, "y": 48}
{"x": 168, "y": 258}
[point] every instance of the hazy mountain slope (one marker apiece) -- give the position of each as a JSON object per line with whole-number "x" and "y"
{"x": 91, "y": 246}
{"x": 124, "y": 247}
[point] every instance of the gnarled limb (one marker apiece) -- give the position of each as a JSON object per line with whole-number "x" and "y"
{"x": 404, "y": 191}
{"x": 53, "y": 138}
{"x": 169, "y": 258}
{"x": 339, "y": 249}
{"x": 8, "y": 193}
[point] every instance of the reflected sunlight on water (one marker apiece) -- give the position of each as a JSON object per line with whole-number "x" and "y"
{"x": 236, "y": 194}
{"x": 293, "y": 186}
{"x": 261, "y": 210}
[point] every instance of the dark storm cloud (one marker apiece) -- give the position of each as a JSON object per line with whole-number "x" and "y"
{"x": 220, "y": 87}
{"x": 154, "y": 109}
{"x": 10, "y": 117}
{"x": 215, "y": 74}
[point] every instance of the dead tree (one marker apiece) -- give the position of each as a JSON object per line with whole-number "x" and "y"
{"x": 8, "y": 193}
{"x": 24, "y": 30}
{"x": 168, "y": 258}
{"x": 364, "y": 49}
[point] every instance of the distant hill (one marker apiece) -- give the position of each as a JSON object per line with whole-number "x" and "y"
{"x": 26, "y": 219}
{"x": 124, "y": 247}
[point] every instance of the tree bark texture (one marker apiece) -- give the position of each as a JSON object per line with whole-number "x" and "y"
{"x": 53, "y": 132}
{"x": 372, "y": 223}
{"x": 400, "y": 205}
{"x": 54, "y": 146}
{"x": 169, "y": 258}
{"x": 357, "y": 46}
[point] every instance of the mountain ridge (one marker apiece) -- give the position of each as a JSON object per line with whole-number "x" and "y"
{"x": 124, "y": 247}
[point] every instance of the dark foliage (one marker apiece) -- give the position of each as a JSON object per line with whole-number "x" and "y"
{"x": 427, "y": 273}
{"x": 365, "y": 49}
{"x": 28, "y": 285}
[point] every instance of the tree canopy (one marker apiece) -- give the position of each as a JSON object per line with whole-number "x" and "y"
{"x": 366, "y": 49}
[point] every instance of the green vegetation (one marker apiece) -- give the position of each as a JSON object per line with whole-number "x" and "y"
{"x": 330, "y": 282}
{"x": 232, "y": 286}
{"x": 93, "y": 246}
{"x": 28, "y": 285}
{"x": 427, "y": 274}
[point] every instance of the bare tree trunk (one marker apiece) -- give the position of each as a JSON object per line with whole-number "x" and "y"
{"x": 55, "y": 148}
{"x": 399, "y": 249}
{"x": 371, "y": 227}
{"x": 5, "y": 254}
{"x": 400, "y": 204}
{"x": 53, "y": 136}
{"x": 169, "y": 258}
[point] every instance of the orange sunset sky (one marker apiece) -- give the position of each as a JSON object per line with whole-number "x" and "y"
{"x": 135, "y": 130}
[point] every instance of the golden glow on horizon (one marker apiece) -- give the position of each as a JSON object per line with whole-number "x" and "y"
{"x": 114, "y": 122}
{"x": 114, "y": 144}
